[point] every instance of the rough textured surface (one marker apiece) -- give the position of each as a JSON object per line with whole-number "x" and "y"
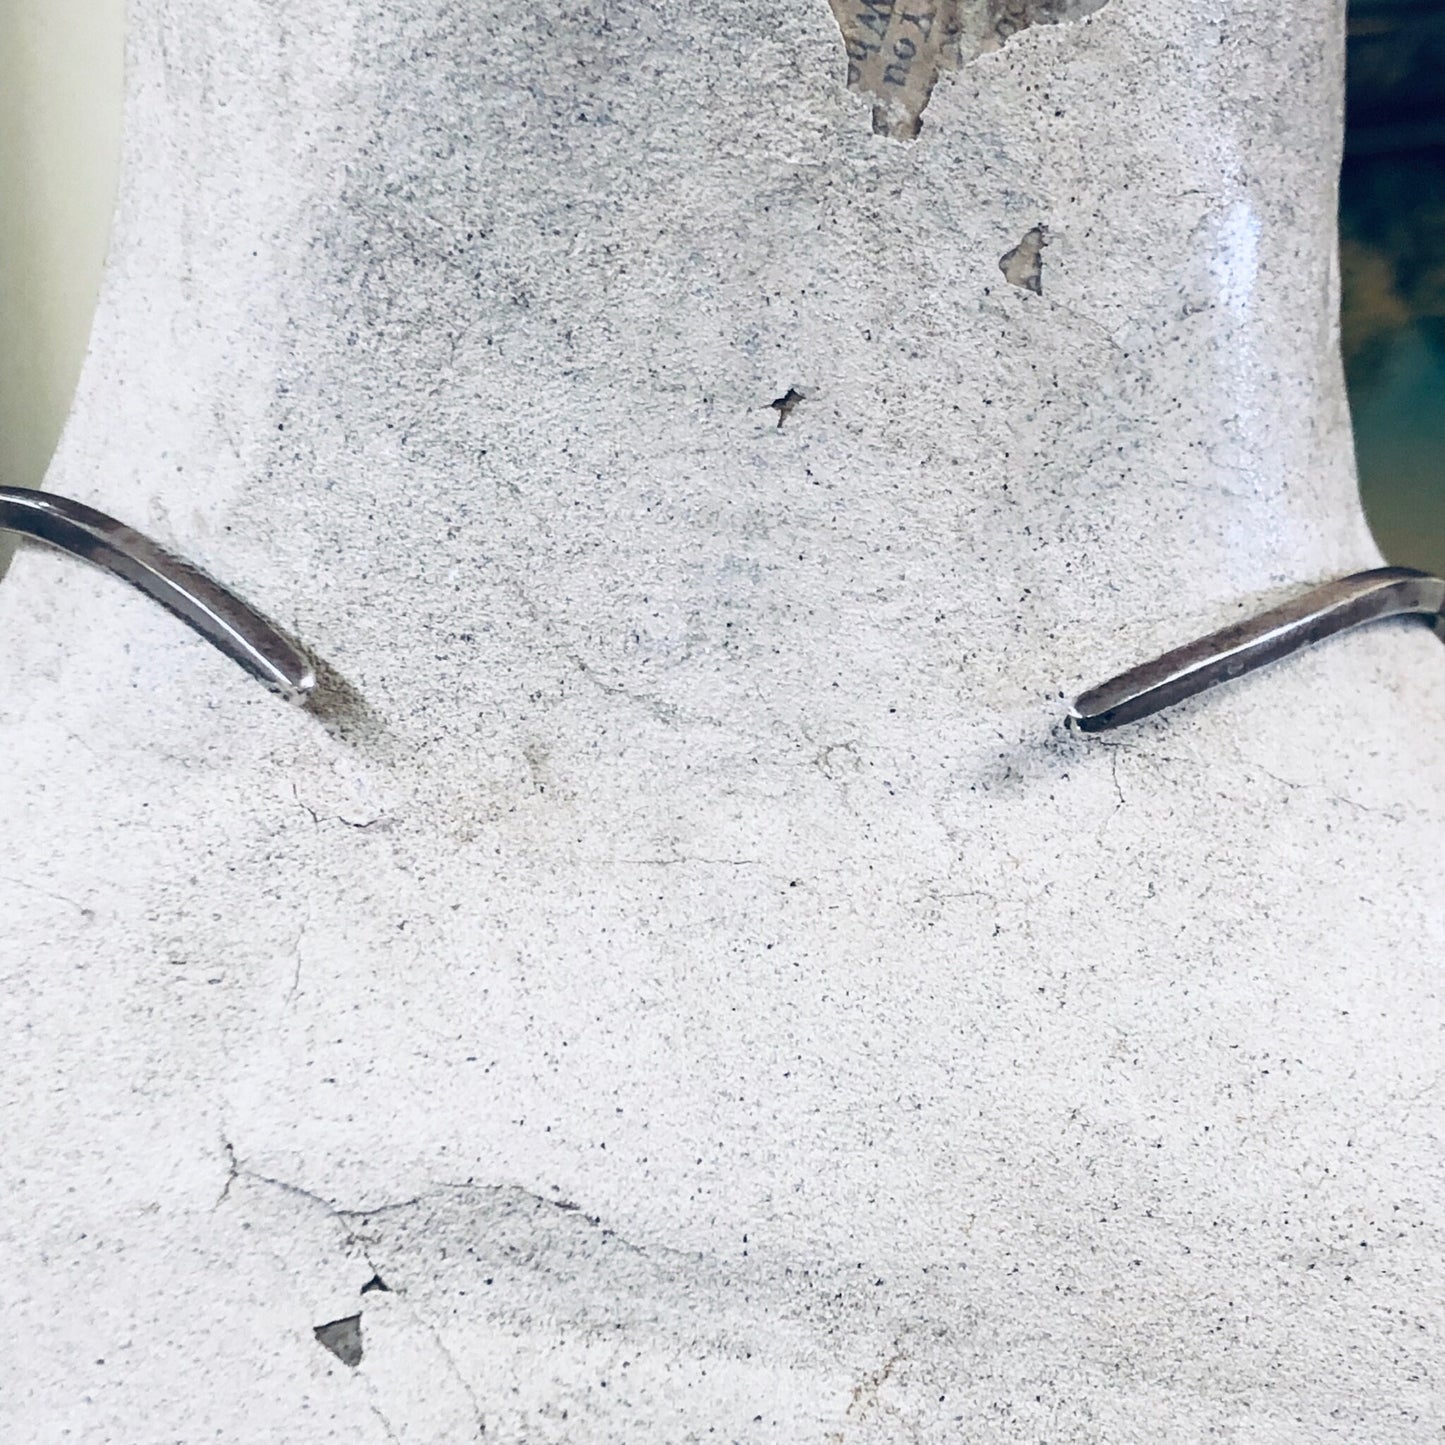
{"x": 715, "y": 999}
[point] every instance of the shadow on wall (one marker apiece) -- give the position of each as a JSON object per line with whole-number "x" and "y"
{"x": 1392, "y": 261}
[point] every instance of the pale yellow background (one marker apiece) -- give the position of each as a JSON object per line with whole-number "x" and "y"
{"x": 60, "y": 111}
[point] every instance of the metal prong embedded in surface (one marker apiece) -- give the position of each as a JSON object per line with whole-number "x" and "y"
{"x": 221, "y": 617}
{"x": 1245, "y": 646}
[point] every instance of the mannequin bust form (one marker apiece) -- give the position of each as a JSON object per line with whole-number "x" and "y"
{"x": 711, "y": 994}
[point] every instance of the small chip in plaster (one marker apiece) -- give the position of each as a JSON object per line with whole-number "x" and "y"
{"x": 343, "y": 1339}
{"x": 376, "y": 1283}
{"x": 787, "y": 404}
{"x": 1024, "y": 265}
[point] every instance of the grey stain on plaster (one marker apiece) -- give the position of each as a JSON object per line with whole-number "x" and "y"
{"x": 1024, "y": 264}
{"x": 897, "y": 49}
{"x": 343, "y": 1339}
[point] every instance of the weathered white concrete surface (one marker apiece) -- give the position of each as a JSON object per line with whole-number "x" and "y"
{"x": 714, "y": 995}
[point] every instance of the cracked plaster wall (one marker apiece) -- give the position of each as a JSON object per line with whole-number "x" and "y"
{"x": 708, "y": 994}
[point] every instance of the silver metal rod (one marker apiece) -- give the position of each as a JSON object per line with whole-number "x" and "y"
{"x": 1245, "y": 646}
{"x": 221, "y": 617}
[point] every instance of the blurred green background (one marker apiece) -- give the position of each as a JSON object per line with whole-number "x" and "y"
{"x": 1392, "y": 265}
{"x": 60, "y": 109}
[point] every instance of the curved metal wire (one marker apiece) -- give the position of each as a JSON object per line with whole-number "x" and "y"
{"x": 221, "y": 617}
{"x": 1245, "y": 646}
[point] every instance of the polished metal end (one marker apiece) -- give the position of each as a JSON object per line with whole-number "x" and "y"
{"x": 1245, "y": 646}
{"x": 221, "y": 617}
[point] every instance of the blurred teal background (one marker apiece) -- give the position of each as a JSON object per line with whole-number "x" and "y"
{"x": 1392, "y": 261}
